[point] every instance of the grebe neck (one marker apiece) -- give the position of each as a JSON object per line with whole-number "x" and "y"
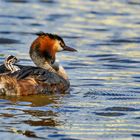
{"x": 59, "y": 69}
{"x": 48, "y": 65}
{"x": 41, "y": 61}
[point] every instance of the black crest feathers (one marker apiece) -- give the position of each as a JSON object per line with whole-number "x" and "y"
{"x": 52, "y": 36}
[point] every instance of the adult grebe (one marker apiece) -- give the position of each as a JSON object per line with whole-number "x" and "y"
{"x": 47, "y": 77}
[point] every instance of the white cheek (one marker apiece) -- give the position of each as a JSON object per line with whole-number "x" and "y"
{"x": 59, "y": 48}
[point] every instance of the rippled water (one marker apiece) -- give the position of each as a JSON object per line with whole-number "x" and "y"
{"x": 104, "y": 101}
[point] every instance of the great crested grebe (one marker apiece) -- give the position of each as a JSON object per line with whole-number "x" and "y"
{"x": 46, "y": 77}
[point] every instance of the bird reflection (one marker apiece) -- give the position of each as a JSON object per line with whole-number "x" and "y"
{"x": 45, "y": 118}
{"x": 35, "y": 100}
{"x": 33, "y": 111}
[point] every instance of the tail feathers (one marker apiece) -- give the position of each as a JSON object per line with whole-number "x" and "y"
{"x": 8, "y": 85}
{"x": 2, "y": 89}
{"x": 12, "y": 86}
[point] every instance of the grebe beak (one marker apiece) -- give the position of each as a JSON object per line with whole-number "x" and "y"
{"x": 66, "y": 48}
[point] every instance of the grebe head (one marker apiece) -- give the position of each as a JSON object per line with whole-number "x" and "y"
{"x": 44, "y": 48}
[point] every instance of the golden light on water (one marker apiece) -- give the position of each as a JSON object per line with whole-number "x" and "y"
{"x": 103, "y": 102}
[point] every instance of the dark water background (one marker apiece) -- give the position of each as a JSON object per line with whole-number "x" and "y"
{"x": 104, "y": 101}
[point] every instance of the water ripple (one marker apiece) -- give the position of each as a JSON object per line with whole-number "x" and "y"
{"x": 103, "y": 101}
{"x": 9, "y": 41}
{"x": 109, "y": 114}
{"x": 17, "y": 17}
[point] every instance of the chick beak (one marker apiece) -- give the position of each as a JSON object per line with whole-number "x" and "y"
{"x": 66, "y": 48}
{"x": 17, "y": 60}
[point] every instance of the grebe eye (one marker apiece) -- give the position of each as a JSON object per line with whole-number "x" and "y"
{"x": 62, "y": 44}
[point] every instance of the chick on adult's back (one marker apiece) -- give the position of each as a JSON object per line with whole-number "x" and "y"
{"x": 46, "y": 77}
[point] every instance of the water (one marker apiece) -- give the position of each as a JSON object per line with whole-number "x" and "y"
{"x": 104, "y": 99}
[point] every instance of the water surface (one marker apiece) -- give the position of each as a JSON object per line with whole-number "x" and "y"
{"x": 104, "y": 99}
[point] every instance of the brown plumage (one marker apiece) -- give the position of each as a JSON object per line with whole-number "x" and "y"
{"x": 46, "y": 77}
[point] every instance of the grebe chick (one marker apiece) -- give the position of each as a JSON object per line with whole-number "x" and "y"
{"x": 9, "y": 63}
{"x": 46, "y": 77}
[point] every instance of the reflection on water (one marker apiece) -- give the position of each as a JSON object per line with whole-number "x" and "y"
{"x": 104, "y": 97}
{"x": 35, "y": 111}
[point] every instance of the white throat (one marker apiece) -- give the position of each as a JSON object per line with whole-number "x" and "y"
{"x": 59, "y": 69}
{"x": 55, "y": 67}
